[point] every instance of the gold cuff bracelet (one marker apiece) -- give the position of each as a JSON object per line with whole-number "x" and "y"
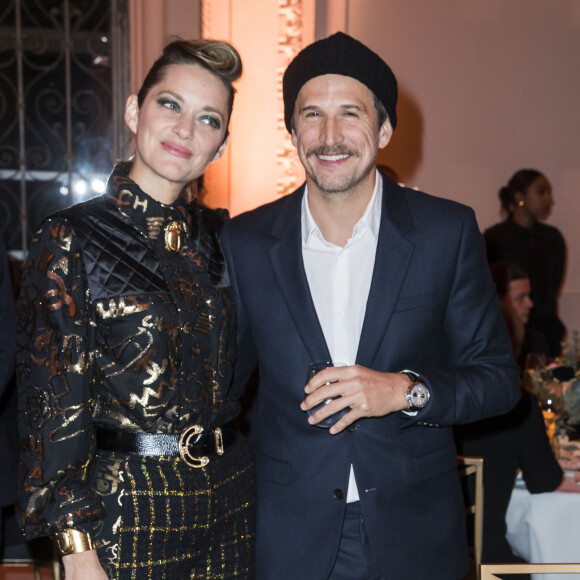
{"x": 73, "y": 541}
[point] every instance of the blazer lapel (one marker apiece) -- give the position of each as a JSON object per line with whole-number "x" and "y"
{"x": 392, "y": 258}
{"x": 288, "y": 266}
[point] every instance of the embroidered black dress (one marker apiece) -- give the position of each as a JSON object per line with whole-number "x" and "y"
{"x": 118, "y": 331}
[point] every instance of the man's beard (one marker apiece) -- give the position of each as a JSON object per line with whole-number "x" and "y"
{"x": 342, "y": 184}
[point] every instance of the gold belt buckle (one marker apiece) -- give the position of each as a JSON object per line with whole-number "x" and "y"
{"x": 219, "y": 440}
{"x": 189, "y": 433}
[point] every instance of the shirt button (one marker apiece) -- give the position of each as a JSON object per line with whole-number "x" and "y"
{"x": 352, "y": 428}
{"x": 340, "y": 314}
{"x": 338, "y": 494}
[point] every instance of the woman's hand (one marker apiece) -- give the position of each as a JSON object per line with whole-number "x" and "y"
{"x": 83, "y": 566}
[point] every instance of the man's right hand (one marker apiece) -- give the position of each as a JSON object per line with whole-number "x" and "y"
{"x": 367, "y": 392}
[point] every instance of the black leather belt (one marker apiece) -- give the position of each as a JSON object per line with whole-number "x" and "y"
{"x": 194, "y": 445}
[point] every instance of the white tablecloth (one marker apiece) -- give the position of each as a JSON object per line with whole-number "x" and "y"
{"x": 545, "y": 528}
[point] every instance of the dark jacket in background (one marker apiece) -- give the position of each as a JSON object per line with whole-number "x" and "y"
{"x": 540, "y": 250}
{"x": 8, "y": 431}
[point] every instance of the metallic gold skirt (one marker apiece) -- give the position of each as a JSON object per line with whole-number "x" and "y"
{"x": 166, "y": 519}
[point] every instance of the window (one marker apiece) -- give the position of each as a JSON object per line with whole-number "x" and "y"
{"x": 63, "y": 81}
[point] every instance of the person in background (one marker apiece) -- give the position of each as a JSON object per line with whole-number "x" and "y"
{"x": 513, "y": 288}
{"x": 514, "y": 441}
{"x": 8, "y": 450}
{"x": 126, "y": 348}
{"x": 392, "y": 282}
{"x": 536, "y": 247}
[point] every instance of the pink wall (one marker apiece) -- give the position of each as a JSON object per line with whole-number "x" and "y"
{"x": 487, "y": 87}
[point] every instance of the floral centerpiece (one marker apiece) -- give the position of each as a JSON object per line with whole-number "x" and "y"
{"x": 568, "y": 424}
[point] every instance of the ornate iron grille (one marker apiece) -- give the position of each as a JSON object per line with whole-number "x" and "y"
{"x": 63, "y": 80}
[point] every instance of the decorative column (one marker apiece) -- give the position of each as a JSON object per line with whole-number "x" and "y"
{"x": 260, "y": 163}
{"x": 147, "y": 33}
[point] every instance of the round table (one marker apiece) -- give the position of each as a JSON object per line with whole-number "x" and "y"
{"x": 545, "y": 527}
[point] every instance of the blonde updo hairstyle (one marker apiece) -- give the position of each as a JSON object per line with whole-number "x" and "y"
{"x": 216, "y": 56}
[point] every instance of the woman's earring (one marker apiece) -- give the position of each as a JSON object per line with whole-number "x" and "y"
{"x": 521, "y": 203}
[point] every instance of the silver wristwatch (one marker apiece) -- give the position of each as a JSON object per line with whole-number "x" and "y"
{"x": 417, "y": 393}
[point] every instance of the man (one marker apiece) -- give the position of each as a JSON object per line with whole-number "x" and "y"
{"x": 356, "y": 269}
{"x": 513, "y": 288}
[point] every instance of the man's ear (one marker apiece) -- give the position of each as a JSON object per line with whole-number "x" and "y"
{"x": 293, "y": 135}
{"x": 221, "y": 149}
{"x": 132, "y": 113}
{"x": 385, "y": 134}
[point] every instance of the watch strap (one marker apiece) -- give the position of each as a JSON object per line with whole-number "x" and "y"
{"x": 414, "y": 378}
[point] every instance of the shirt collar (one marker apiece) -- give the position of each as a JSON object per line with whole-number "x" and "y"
{"x": 371, "y": 219}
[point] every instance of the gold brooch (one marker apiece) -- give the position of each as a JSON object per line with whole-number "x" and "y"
{"x": 174, "y": 236}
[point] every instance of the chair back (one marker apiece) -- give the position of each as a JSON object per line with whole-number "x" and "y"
{"x": 36, "y": 556}
{"x": 467, "y": 467}
{"x": 490, "y": 571}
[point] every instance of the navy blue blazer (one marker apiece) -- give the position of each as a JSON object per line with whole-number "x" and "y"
{"x": 432, "y": 308}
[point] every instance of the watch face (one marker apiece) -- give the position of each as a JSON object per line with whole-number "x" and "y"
{"x": 418, "y": 396}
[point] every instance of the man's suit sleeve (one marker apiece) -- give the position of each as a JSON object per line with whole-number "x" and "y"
{"x": 482, "y": 376}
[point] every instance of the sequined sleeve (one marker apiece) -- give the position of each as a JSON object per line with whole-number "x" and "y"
{"x": 54, "y": 375}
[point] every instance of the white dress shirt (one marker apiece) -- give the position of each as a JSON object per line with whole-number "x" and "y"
{"x": 340, "y": 279}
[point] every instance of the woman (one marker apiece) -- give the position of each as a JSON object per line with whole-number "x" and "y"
{"x": 126, "y": 345}
{"x": 536, "y": 247}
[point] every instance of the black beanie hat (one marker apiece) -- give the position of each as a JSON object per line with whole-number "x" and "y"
{"x": 340, "y": 54}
